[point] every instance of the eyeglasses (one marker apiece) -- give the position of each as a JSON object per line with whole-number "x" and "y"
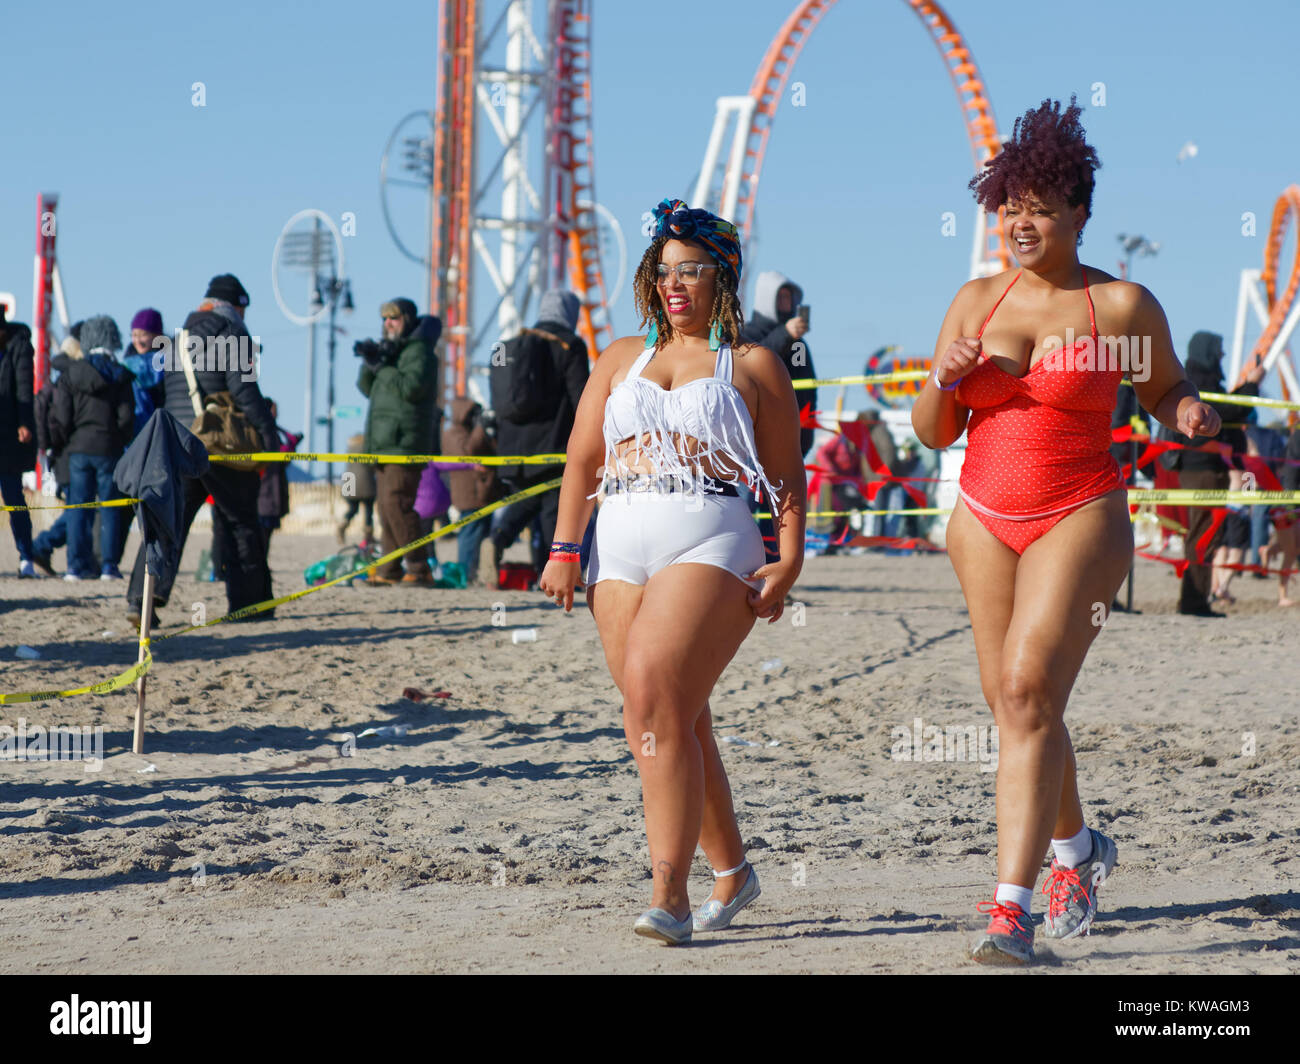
{"x": 687, "y": 272}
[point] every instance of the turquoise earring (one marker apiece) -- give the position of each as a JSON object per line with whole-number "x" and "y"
{"x": 715, "y": 336}
{"x": 652, "y": 337}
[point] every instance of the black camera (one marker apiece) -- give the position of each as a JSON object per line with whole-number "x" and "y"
{"x": 376, "y": 351}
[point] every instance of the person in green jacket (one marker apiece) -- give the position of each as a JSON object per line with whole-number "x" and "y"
{"x": 400, "y": 378}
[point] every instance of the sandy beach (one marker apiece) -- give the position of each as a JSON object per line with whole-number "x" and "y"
{"x": 499, "y": 829}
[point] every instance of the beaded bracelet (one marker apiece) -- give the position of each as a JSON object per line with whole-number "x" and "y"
{"x": 568, "y": 548}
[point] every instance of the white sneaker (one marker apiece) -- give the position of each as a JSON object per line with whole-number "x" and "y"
{"x": 72, "y": 578}
{"x": 27, "y": 571}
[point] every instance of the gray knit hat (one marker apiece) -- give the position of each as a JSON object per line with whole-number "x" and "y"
{"x": 560, "y": 306}
{"x": 100, "y": 334}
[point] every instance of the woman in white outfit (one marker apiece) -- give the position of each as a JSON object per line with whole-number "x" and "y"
{"x": 673, "y": 430}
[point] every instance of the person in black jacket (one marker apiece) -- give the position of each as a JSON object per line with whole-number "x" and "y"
{"x": 546, "y": 434}
{"x": 1205, "y": 470}
{"x": 17, "y": 431}
{"x": 91, "y": 420}
{"x": 774, "y": 325}
{"x": 224, "y": 363}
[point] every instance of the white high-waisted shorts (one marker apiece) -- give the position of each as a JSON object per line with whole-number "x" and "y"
{"x": 638, "y": 533}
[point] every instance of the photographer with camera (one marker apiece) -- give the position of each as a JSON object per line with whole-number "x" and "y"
{"x": 779, "y": 323}
{"x": 399, "y": 376}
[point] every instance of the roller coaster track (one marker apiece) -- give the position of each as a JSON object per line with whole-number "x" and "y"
{"x": 1283, "y": 313}
{"x": 573, "y": 162}
{"x": 453, "y": 183}
{"x": 544, "y": 235}
{"x": 769, "y": 85}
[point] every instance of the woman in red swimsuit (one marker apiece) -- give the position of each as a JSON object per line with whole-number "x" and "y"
{"x": 1040, "y": 539}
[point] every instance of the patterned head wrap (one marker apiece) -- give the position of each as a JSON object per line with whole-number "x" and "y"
{"x": 676, "y": 220}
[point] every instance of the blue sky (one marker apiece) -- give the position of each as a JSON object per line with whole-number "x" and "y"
{"x": 157, "y": 195}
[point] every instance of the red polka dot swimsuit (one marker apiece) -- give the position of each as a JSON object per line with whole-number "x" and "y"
{"x": 1038, "y": 446}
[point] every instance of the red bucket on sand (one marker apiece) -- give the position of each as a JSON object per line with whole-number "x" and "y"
{"x": 516, "y": 576}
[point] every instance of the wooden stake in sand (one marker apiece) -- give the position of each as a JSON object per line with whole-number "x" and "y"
{"x": 146, "y": 616}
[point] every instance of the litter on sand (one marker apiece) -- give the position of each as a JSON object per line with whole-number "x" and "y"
{"x": 416, "y": 695}
{"x": 388, "y": 731}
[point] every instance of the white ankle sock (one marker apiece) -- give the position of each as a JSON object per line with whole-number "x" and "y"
{"x": 1009, "y": 892}
{"x": 1072, "y": 852}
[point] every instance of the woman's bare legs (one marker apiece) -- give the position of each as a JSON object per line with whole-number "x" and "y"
{"x": 719, "y": 833}
{"x": 1034, "y": 618}
{"x": 666, "y": 644}
{"x": 986, "y": 570}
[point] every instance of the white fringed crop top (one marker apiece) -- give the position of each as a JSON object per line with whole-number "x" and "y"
{"x": 709, "y": 410}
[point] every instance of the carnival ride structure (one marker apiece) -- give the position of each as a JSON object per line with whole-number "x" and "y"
{"x": 497, "y": 84}
{"x": 1277, "y": 313}
{"x": 728, "y": 185}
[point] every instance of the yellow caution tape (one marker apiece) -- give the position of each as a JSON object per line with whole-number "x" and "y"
{"x": 1136, "y": 496}
{"x": 262, "y": 607}
{"x": 120, "y": 680}
{"x": 1192, "y": 497}
{"x": 871, "y": 378}
{"x": 919, "y": 374}
{"x": 75, "y": 505}
{"x": 1248, "y": 400}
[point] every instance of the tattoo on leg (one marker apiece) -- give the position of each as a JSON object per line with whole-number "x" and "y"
{"x": 664, "y": 870}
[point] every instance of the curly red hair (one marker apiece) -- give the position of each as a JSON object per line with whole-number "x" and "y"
{"x": 1047, "y": 156}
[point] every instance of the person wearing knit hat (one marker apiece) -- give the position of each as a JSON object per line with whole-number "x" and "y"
{"x": 147, "y": 380}
{"x": 147, "y": 321}
{"x": 226, "y": 287}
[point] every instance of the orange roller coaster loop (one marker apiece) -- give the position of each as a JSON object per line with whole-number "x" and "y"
{"x": 1287, "y": 206}
{"x": 774, "y": 71}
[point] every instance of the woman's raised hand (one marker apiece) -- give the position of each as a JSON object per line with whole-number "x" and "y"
{"x": 958, "y": 360}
